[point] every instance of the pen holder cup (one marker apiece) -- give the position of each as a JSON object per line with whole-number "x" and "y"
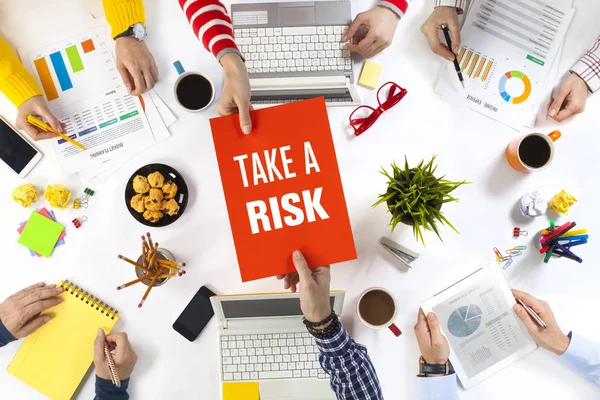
{"x": 161, "y": 254}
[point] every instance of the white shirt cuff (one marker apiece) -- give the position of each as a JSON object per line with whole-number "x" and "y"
{"x": 438, "y": 387}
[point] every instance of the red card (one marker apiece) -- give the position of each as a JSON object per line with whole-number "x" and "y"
{"x": 283, "y": 189}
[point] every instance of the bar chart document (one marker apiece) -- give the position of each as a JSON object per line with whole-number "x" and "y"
{"x": 477, "y": 318}
{"x": 80, "y": 81}
{"x": 507, "y": 50}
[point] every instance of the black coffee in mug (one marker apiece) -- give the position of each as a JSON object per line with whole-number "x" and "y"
{"x": 535, "y": 151}
{"x": 194, "y": 92}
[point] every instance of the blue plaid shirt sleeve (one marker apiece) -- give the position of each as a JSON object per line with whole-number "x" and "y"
{"x": 349, "y": 367}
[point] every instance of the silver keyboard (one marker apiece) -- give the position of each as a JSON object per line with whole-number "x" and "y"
{"x": 296, "y": 51}
{"x": 270, "y": 356}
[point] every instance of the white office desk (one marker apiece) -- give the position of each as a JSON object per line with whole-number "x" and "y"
{"x": 468, "y": 146}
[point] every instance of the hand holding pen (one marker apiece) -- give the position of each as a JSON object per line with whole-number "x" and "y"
{"x": 124, "y": 357}
{"x": 551, "y": 338}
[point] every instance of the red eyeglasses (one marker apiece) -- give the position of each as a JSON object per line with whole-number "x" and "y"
{"x": 364, "y": 117}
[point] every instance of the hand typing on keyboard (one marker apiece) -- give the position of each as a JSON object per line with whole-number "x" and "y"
{"x": 235, "y": 96}
{"x": 314, "y": 288}
{"x": 380, "y": 23}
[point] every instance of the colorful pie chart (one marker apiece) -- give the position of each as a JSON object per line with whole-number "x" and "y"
{"x": 515, "y": 98}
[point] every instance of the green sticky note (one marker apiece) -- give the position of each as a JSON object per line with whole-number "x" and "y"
{"x": 41, "y": 234}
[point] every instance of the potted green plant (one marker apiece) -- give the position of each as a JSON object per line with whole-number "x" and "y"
{"x": 415, "y": 197}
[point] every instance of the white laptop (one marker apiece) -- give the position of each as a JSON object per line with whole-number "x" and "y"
{"x": 294, "y": 51}
{"x": 262, "y": 338}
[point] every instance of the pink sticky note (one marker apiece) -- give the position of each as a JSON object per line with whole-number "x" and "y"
{"x": 46, "y": 214}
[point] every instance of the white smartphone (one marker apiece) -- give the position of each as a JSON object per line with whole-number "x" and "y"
{"x": 15, "y": 151}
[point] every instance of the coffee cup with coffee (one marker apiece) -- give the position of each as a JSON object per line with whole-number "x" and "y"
{"x": 532, "y": 152}
{"x": 377, "y": 309}
{"x": 193, "y": 91}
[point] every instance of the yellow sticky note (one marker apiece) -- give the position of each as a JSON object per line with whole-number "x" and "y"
{"x": 369, "y": 76}
{"x": 240, "y": 391}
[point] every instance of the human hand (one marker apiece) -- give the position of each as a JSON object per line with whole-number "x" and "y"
{"x": 37, "y": 107}
{"x": 123, "y": 354}
{"x": 19, "y": 312}
{"x": 433, "y": 345}
{"x": 550, "y": 338}
{"x": 235, "y": 96}
{"x": 314, "y": 291}
{"x": 381, "y": 23}
{"x": 136, "y": 65}
{"x": 569, "y": 99}
{"x": 442, "y": 16}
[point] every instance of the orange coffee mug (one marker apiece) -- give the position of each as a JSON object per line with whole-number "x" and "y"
{"x": 532, "y": 152}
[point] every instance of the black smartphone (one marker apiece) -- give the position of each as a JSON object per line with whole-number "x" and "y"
{"x": 15, "y": 151}
{"x": 196, "y": 315}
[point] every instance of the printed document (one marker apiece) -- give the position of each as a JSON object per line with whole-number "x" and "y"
{"x": 507, "y": 50}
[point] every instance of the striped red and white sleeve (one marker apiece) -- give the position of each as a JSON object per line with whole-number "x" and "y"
{"x": 211, "y": 24}
{"x": 397, "y": 6}
{"x": 458, "y": 4}
{"x": 588, "y": 67}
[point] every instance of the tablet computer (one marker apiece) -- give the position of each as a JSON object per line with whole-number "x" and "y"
{"x": 476, "y": 316}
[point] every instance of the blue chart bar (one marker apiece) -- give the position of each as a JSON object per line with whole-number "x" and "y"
{"x": 61, "y": 71}
{"x": 87, "y": 131}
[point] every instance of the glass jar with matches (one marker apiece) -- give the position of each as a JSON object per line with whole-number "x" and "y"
{"x": 154, "y": 267}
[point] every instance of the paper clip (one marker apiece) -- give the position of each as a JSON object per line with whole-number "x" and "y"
{"x": 517, "y": 254}
{"x": 78, "y": 221}
{"x": 520, "y": 247}
{"x": 519, "y": 232}
{"x": 404, "y": 254}
{"x": 507, "y": 264}
{"x": 499, "y": 256}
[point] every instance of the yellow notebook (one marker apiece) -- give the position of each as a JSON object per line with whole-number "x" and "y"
{"x": 55, "y": 358}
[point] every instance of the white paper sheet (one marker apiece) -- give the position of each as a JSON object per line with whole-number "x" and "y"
{"x": 84, "y": 90}
{"x": 508, "y": 47}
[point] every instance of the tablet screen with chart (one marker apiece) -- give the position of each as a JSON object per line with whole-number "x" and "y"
{"x": 476, "y": 317}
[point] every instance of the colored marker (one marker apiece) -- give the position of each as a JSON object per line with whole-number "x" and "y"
{"x": 564, "y": 228}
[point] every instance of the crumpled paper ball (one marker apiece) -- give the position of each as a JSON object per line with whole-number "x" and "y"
{"x": 25, "y": 194}
{"x": 58, "y": 196}
{"x": 533, "y": 205}
{"x": 561, "y": 202}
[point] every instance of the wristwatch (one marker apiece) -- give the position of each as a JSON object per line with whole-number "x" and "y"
{"x": 137, "y": 30}
{"x": 434, "y": 369}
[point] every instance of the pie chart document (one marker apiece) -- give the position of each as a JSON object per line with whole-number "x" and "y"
{"x": 476, "y": 316}
{"x": 508, "y": 54}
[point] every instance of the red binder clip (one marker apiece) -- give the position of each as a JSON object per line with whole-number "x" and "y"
{"x": 519, "y": 232}
{"x": 77, "y": 222}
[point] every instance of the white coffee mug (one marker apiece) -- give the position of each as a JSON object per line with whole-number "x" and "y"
{"x": 387, "y": 324}
{"x": 182, "y": 75}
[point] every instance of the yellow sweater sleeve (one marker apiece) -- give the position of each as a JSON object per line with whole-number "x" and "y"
{"x": 15, "y": 82}
{"x": 121, "y": 14}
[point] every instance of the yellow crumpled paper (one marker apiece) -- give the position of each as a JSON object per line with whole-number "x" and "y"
{"x": 25, "y": 194}
{"x": 561, "y": 202}
{"x": 58, "y": 196}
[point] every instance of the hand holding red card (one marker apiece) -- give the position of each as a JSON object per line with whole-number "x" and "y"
{"x": 283, "y": 189}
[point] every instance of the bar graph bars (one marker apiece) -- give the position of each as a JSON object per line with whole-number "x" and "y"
{"x": 480, "y": 355}
{"x": 62, "y": 75}
{"x": 475, "y": 65}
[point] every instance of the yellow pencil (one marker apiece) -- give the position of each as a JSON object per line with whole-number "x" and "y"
{"x": 575, "y": 232}
{"x": 47, "y": 128}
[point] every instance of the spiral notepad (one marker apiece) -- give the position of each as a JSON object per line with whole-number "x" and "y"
{"x": 55, "y": 358}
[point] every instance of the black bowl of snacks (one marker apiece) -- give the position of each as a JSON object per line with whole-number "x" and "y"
{"x": 156, "y": 195}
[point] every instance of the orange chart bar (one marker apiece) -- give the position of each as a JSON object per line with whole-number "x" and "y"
{"x": 487, "y": 70}
{"x": 466, "y": 61}
{"x": 88, "y": 46}
{"x": 461, "y": 54}
{"x": 47, "y": 83}
{"x": 480, "y": 67}
{"x": 473, "y": 64}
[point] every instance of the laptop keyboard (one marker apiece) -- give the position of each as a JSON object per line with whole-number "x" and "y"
{"x": 294, "y": 49}
{"x": 270, "y": 356}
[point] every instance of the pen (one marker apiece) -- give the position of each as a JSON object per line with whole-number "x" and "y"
{"x": 47, "y": 128}
{"x": 533, "y": 314}
{"x": 456, "y": 65}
